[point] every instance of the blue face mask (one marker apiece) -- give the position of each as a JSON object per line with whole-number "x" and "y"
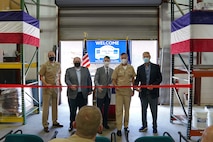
{"x": 146, "y": 60}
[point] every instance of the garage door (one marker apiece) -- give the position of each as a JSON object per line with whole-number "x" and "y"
{"x": 108, "y": 23}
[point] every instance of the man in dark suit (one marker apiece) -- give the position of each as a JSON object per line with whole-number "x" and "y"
{"x": 75, "y": 78}
{"x": 148, "y": 74}
{"x": 103, "y": 78}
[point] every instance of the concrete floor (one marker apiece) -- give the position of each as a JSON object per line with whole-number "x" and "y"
{"x": 34, "y": 126}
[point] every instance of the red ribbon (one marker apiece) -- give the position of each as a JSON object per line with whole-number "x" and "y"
{"x": 55, "y": 86}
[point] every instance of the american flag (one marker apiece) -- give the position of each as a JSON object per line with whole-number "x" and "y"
{"x": 128, "y": 52}
{"x": 85, "y": 58}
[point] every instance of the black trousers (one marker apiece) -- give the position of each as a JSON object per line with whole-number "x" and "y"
{"x": 103, "y": 105}
{"x": 78, "y": 102}
{"x": 153, "y": 103}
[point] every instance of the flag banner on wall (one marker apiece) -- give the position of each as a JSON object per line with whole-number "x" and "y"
{"x": 192, "y": 32}
{"x": 85, "y": 58}
{"x": 98, "y": 49}
{"x": 19, "y": 27}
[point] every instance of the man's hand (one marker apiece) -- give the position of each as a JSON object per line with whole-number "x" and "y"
{"x": 60, "y": 88}
{"x": 132, "y": 93}
{"x": 47, "y": 84}
{"x": 100, "y": 90}
{"x": 138, "y": 89}
{"x": 150, "y": 88}
{"x": 73, "y": 87}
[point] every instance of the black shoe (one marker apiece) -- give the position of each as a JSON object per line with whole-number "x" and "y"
{"x": 106, "y": 126}
{"x": 155, "y": 131}
{"x": 119, "y": 133}
{"x": 143, "y": 129}
{"x": 46, "y": 129}
{"x": 72, "y": 133}
{"x": 126, "y": 129}
{"x": 70, "y": 129}
{"x": 57, "y": 125}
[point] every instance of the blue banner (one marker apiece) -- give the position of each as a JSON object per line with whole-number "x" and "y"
{"x": 98, "y": 49}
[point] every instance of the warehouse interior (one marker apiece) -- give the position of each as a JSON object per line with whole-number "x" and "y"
{"x": 132, "y": 21}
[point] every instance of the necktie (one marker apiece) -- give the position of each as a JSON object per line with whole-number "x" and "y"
{"x": 107, "y": 73}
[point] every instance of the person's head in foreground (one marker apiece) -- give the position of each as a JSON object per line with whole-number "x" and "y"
{"x": 88, "y": 122}
{"x": 207, "y": 134}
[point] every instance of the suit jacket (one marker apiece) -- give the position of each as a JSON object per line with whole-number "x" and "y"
{"x": 101, "y": 79}
{"x": 71, "y": 78}
{"x": 155, "y": 79}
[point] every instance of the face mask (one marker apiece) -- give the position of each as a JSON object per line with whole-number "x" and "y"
{"x": 51, "y": 59}
{"x": 106, "y": 64}
{"x": 123, "y": 61}
{"x": 77, "y": 65}
{"x": 146, "y": 60}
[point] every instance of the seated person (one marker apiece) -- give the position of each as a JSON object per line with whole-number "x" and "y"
{"x": 87, "y": 123}
{"x": 207, "y": 134}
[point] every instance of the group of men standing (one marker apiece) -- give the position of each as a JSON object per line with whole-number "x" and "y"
{"x": 123, "y": 78}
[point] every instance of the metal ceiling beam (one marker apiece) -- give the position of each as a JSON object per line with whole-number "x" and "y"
{"x": 88, "y": 3}
{"x": 148, "y": 27}
{"x": 108, "y": 15}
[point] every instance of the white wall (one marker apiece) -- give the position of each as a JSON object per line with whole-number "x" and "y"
{"x": 140, "y": 46}
{"x": 164, "y": 43}
{"x": 206, "y": 82}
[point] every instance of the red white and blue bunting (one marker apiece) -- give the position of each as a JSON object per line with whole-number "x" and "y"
{"x": 192, "y": 32}
{"x": 19, "y": 27}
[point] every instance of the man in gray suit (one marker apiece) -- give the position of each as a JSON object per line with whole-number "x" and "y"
{"x": 78, "y": 80}
{"x": 103, "y": 94}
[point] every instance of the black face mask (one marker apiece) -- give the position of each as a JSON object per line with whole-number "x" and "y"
{"x": 77, "y": 64}
{"x": 51, "y": 59}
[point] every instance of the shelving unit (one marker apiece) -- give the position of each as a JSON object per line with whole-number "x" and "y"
{"x": 15, "y": 65}
{"x": 30, "y": 35}
{"x": 195, "y": 43}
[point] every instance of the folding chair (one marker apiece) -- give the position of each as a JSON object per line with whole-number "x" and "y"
{"x": 104, "y": 139}
{"x": 23, "y": 138}
{"x": 101, "y": 139}
{"x": 3, "y": 137}
{"x": 155, "y": 139}
{"x": 165, "y": 138}
{"x": 113, "y": 137}
{"x": 127, "y": 135}
{"x": 182, "y": 137}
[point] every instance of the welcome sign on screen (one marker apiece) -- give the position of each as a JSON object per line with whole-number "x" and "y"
{"x": 98, "y": 49}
